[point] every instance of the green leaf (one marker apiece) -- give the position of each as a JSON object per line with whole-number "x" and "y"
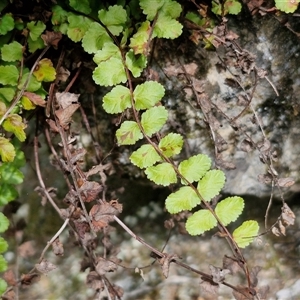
{"x": 150, "y": 8}
{"x": 114, "y": 19}
{"x": 229, "y": 209}
{"x": 211, "y": 184}
{"x": 145, "y": 156}
{"x": 148, "y": 94}
{"x": 35, "y": 45}
{"x": 33, "y": 84}
{"x": 45, "y": 71}
{"x": 9, "y": 75}
{"x": 19, "y": 160}
{"x": 3, "y": 264}
{"x": 184, "y": 199}
{"x": 171, "y": 144}
{"x": 108, "y": 51}
{"x": 110, "y": 72}
{"x": 166, "y": 27}
{"x": 79, "y": 25}
{"x": 245, "y": 234}
{"x": 162, "y": 174}
{"x": 3, "y": 286}
{"x": 136, "y": 64}
{"x": 36, "y": 29}
{"x": 172, "y": 9}
{"x": 139, "y": 42}
{"x": 153, "y": 119}
{"x": 95, "y": 38}
{"x": 8, "y": 93}
{"x": 4, "y": 223}
{"x": 117, "y": 100}
{"x": 6, "y": 24}
{"x": 195, "y": 167}
{"x": 287, "y": 6}
{"x": 12, "y": 51}
{"x": 233, "y": 7}
{"x": 59, "y": 15}
{"x": 8, "y": 193}
{"x": 7, "y": 150}
{"x": 13, "y": 123}
{"x": 200, "y": 221}
{"x": 128, "y": 133}
{"x": 10, "y": 174}
{"x": 81, "y": 6}
{"x": 3, "y": 245}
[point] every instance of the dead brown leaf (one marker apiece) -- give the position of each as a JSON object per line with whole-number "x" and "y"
{"x": 102, "y": 214}
{"x": 246, "y": 146}
{"x": 103, "y": 266}
{"x": 77, "y": 155}
{"x": 90, "y": 190}
{"x": 165, "y": 263}
{"x": 27, "y": 249}
{"x": 45, "y": 266}
{"x": 285, "y": 182}
{"x": 253, "y": 275}
{"x": 231, "y": 264}
{"x": 36, "y": 99}
{"x": 94, "y": 281}
{"x": 287, "y": 215}
{"x": 218, "y": 274}
{"x": 209, "y": 286}
{"x": 63, "y": 74}
{"x": 51, "y": 38}
{"x": 66, "y": 99}
{"x": 64, "y": 115}
{"x": 58, "y": 248}
{"x": 10, "y": 295}
{"x": 244, "y": 293}
{"x": 10, "y": 278}
{"x": 28, "y": 279}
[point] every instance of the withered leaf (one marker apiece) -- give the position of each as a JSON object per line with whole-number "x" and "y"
{"x": 81, "y": 228}
{"x": 94, "y": 281}
{"x": 265, "y": 178}
{"x": 246, "y": 145}
{"x": 10, "y": 278}
{"x": 262, "y": 292}
{"x": 169, "y": 224}
{"x": 90, "y": 190}
{"x": 253, "y": 275}
{"x": 36, "y": 99}
{"x": 115, "y": 291}
{"x": 103, "y": 213}
{"x": 63, "y": 74}
{"x": 244, "y": 293}
{"x": 77, "y": 155}
{"x": 265, "y": 146}
{"x": 51, "y": 38}
{"x": 27, "y": 249}
{"x": 165, "y": 263}
{"x": 285, "y": 182}
{"x": 209, "y": 286}
{"x": 28, "y": 279}
{"x": 9, "y": 295}
{"x": 281, "y": 227}
{"x": 231, "y": 36}
{"x": 45, "y": 266}
{"x": 103, "y": 266}
{"x": 58, "y": 248}
{"x": 218, "y": 274}
{"x": 66, "y": 99}
{"x": 64, "y": 115}
{"x": 275, "y": 231}
{"x": 287, "y": 215}
{"x": 52, "y": 125}
{"x": 231, "y": 264}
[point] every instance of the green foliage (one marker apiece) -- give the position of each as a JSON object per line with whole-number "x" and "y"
{"x": 81, "y": 6}
{"x": 211, "y": 184}
{"x": 171, "y": 144}
{"x": 129, "y": 133}
{"x": 12, "y": 52}
{"x": 195, "y": 167}
{"x": 287, "y": 6}
{"x": 245, "y": 234}
{"x": 201, "y": 221}
{"x": 7, "y": 150}
{"x": 153, "y": 119}
{"x": 9, "y": 75}
{"x": 184, "y": 199}
{"x": 232, "y": 7}
{"x": 145, "y": 156}
{"x": 148, "y": 94}
{"x": 4, "y": 223}
{"x": 6, "y": 24}
{"x": 162, "y": 174}
{"x": 3, "y": 286}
